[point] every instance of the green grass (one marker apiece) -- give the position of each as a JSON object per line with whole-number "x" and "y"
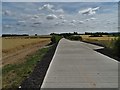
{"x": 14, "y": 74}
{"x": 58, "y": 38}
{"x": 55, "y": 38}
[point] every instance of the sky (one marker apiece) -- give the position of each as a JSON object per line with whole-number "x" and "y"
{"x": 56, "y": 17}
{"x": 60, "y": 1}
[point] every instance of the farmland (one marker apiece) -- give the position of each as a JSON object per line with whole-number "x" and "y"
{"x": 21, "y": 54}
{"x": 10, "y": 44}
{"x": 19, "y": 57}
{"x": 14, "y": 74}
{"x": 105, "y": 40}
{"x": 15, "y": 49}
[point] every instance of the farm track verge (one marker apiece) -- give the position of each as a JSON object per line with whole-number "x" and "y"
{"x": 106, "y": 51}
{"x": 37, "y": 76}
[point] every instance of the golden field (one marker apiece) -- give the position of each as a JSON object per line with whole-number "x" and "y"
{"x": 9, "y": 44}
{"x": 105, "y": 37}
{"x": 105, "y": 40}
{"x": 15, "y": 49}
{"x": 16, "y": 42}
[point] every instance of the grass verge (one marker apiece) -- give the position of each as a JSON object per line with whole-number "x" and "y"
{"x": 35, "y": 79}
{"x": 14, "y": 74}
{"x": 111, "y": 47}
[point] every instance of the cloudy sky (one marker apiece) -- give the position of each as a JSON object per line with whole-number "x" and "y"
{"x": 49, "y": 17}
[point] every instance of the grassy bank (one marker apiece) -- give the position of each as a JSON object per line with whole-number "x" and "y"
{"x": 14, "y": 74}
{"x": 111, "y": 44}
{"x": 55, "y": 38}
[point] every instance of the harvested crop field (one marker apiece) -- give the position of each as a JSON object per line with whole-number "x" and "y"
{"x": 104, "y": 37}
{"x": 14, "y": 50}
{"x": 105, "y": 40}
{"x": 16, "y": 43}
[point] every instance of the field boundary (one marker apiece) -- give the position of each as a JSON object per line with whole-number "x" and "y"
{"x": 37, "y": 76}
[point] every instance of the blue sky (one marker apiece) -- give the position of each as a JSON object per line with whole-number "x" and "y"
{"x": 48, "y": 17}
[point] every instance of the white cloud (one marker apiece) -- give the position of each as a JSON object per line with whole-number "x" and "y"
{"x": 51, "y": 17}
{"x": 92, "y": 18}
{"x": 35, "y": 16}
{"x": 48, "y": 23}
{"x": 81, "y": 22}
{"x": 73, "y": 21}
{"x": 47, "y": 7}
{"x": 85, "y": 11}
{"x": 89, "y": 11}
{"x": 59, "y": 11}
{"x": 94, "y": 9}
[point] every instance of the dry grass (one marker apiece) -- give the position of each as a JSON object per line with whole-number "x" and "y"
{"x": 105, "y": 37}
{"x": 14, "y": 50}
{"x": 12, "y": 44}
{"x": 105, "y": 40}
{"x": 16, "y": 42}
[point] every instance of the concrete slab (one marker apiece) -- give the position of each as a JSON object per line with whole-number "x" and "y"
{"x": 76, "y": 65}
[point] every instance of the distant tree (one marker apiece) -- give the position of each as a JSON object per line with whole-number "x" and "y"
{"x": 88, "y": 33}
{"x": 13, "y": 35}
{"x": 35, "y": 34}
{"x": 75, "y": 33}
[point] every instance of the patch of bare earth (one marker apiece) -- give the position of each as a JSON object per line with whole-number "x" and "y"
{"x": 18, "y": 55}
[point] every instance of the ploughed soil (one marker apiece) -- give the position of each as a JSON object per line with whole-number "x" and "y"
{"x": 35, "y": 79}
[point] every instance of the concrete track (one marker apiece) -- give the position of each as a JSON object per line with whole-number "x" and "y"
{"x": 76, "y": 65}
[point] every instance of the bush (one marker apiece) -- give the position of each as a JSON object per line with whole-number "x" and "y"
{"x": 117, "y": 46}
{"x": 95, "y": 35}
{"x": 55, "y": 39}
{"x": 75, "y": 37}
